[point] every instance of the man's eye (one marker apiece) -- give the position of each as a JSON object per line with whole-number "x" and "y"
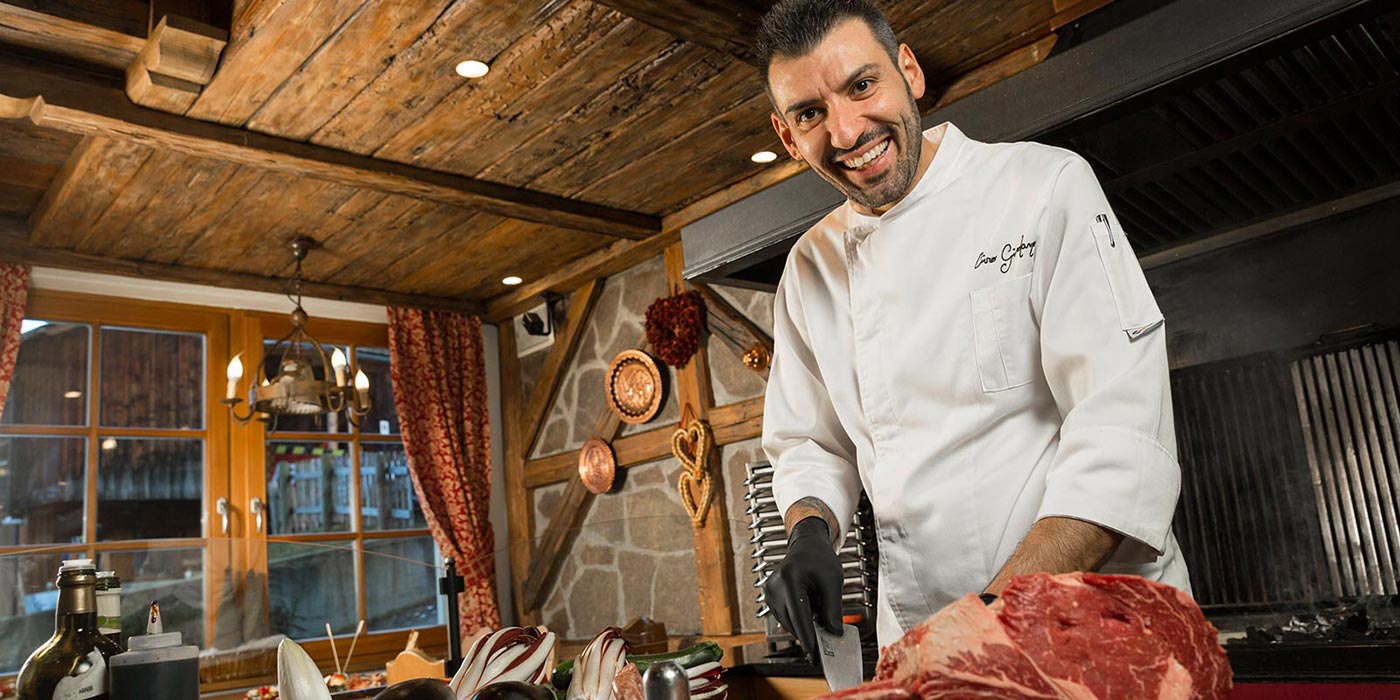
{"x": 862, "y": 85}
{"x": 807, "y": 115}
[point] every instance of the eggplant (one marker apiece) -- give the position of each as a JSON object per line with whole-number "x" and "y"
{"x": 417, "y": 689}
{"x": 513, "y": 690}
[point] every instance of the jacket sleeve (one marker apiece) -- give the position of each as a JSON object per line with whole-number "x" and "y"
{"x": 811, "y": 453}
{"x": 1103, "y": 351}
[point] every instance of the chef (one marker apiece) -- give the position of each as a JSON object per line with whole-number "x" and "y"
{"x": 968, "y": 338}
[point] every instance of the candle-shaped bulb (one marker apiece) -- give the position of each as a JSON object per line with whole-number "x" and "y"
{"x": 235, "y": 373}
{"x": 361, "y": 381}
{"x": 153, "y": 625}
{"x": 338, "y": 363}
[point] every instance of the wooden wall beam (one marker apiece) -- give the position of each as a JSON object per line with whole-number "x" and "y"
{"x": 558, "y": 537}
{"x": 554, "y": 545}
{"x": 727, "y": 26}
{"x": 714, "y": 556}
{"x": 88, "y": 105}
{"x": 736, "y": 422}
{"x": 69, "y": 38}
{"x": 520, "y": 509}
{"x": 566, "y": 341}
{"x": 15, "y": 247}
{"x": 735, "y": 326}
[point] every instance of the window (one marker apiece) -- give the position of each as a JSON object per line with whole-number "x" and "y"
{"x": 113, "y": 446}
{"x": 104, "y": 450}
{"x": 346, "y": 539}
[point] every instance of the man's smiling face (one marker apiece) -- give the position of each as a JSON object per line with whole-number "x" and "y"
{"x": 849, "y": 111}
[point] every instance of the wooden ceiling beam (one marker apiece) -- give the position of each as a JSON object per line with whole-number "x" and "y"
{"x": 621, "y": 255}
{"x": 15, "y": 248}
{"x": 89, "y": 106}
{"x": 726, "y": 26}
{"x": 604, "y": 262}
{"x": 82, "y": 42}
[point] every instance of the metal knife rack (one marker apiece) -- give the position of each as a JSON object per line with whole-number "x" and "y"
{"x": 859, "y": 557}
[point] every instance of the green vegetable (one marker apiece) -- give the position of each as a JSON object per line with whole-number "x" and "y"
{"x": 690, "y": 657}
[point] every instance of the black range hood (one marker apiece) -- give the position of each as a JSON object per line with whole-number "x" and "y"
{"x": 1208, "y": 123}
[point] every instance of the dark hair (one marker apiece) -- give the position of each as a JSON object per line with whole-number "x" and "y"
{"x": 794, "y": 27}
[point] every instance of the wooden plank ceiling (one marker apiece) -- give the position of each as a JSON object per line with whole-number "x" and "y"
{"x": 344, "y": 120}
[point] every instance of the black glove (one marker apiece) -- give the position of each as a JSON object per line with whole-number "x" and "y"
{"x": 806, "y": 584}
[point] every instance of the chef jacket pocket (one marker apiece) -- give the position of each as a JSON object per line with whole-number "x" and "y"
{"x": 1137, "y": 310}
{"x": 1004, "y": 334}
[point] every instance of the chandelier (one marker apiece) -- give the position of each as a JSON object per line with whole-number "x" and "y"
{"x": 296, "y": 390}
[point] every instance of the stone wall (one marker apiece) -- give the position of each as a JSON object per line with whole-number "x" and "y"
{"x": 634, "y": 554}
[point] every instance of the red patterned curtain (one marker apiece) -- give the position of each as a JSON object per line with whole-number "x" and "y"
{"x": 14, "y": 286}
{"x": 439, "y": 372}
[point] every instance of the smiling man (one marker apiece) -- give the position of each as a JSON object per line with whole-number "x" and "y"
{"x": 969, "y": 339}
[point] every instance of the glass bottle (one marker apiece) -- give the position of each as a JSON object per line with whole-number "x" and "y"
{"x": 109, "y": 605}
{"x": 72, "y": 664}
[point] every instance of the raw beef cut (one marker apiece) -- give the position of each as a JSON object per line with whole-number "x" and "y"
{"x": 1075, "y": 636}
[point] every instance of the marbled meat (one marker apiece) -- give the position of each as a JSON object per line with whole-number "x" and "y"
{"x": 1072, "y": 637}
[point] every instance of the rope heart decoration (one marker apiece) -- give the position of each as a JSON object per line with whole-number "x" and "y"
{"x": 691, "y": 445}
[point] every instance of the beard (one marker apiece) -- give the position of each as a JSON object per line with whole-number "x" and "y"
{"x": 907, "y": 137}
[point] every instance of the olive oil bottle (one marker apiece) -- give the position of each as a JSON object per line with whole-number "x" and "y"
{"x": 72, "y": 665}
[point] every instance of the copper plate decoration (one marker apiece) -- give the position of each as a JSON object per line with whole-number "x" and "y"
{"x": 634, "y": 387}
{"x": 596, "y": 466}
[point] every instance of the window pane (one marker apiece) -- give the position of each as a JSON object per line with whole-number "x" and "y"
{"x": 42, "y": 488}
{"x": 309, "y": 585}
{"x": 383, "y": 418}
{"x": 27, "y": 601}
{"x": 149, "y": 488}
{"x": 389, "y": 500}
{"x": 314, "y": 423}
{"x": 403, "y": 568}
{"x": 50, "y": 386}
{"x": 151, "y": 379}
{"x": 174, "y": 578}
{"x": 308, "y": 487}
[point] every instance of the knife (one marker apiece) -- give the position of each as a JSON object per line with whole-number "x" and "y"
{"x": 841, "y": 659}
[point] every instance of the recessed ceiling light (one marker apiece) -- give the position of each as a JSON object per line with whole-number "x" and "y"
{"x": 72, "y": 394}
{"x": 512, "y": 281}
{"x": 764, "y": 157}
{"x": 472, "y": 69}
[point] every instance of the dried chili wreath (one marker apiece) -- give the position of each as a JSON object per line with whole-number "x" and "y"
{"x": 674, "y": 327}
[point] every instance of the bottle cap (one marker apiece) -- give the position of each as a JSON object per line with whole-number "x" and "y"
{"x": 107, "y": 580}
{"x": 76, "y": 565}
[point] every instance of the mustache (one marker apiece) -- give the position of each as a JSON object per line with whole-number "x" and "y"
{"x": 870, "y": 136}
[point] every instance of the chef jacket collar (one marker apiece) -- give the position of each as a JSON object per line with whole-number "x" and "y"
{"x": 944, "y": 169}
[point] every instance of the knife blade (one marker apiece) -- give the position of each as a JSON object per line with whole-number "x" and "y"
{"x": 841, "y": 657}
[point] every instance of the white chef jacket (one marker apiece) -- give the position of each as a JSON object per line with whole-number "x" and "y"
{"x": 984, "y": 354}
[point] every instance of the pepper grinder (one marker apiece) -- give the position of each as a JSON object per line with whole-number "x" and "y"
{"x": 665, "y": 680}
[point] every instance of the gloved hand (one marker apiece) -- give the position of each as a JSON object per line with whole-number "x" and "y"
{"x": 807, "y": 583}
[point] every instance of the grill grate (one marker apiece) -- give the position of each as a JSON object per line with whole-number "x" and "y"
{"x": 1247, "y": 522}
{"x": 1346, "y": 402}
{"x": 1290, "y": 475}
